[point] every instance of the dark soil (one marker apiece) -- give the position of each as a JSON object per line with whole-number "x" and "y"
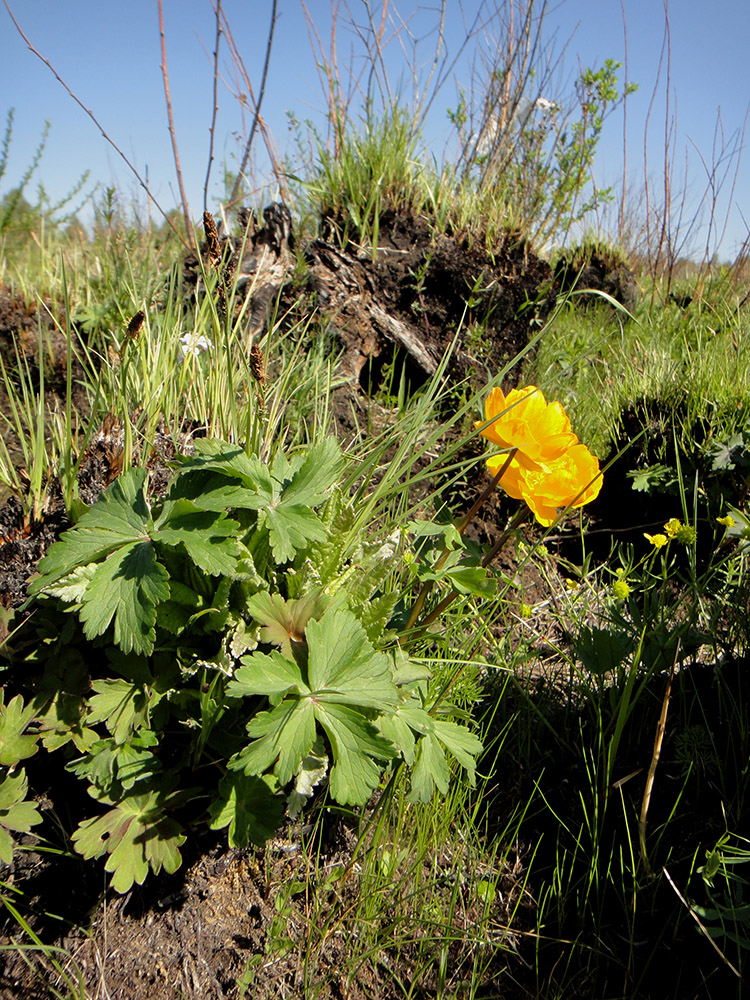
{"x": 22, "y": 326}
{"x": 600, "y": 270}
{"x": 433, "y": 290}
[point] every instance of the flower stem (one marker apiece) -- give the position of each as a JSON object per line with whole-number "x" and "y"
{"x": 519, "y": 517}
{"x": 461, "y": 527}
{"x": 464, "y": 522}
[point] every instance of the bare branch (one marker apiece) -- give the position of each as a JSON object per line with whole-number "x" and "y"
{"x": 258, "y": 104}
{"x": 246, "y": 88}
{"x": 96, "y": 122}
{"x": 215, "y": 108}
{"x": 170, "y": 121}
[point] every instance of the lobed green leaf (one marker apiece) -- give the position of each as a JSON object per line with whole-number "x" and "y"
{"x": 15, "y": 743}
{"x": 249, "y": 807}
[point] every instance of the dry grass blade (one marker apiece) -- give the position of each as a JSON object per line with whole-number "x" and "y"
{"x": 660, "y": 730}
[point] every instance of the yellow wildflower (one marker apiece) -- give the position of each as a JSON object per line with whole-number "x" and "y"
{"x": 727, "y": 522}
{"x": 550, "y": 468}
{"x": 525, "y": 420}
{"x": 658, "y": 541}
{"x": 683, "y": 533}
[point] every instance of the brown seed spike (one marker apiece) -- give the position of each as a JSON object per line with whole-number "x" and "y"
{"x": 212, "y": 239}
{"x": 257, "y": 367}
{"x": 228, "y": 271}
{"x": 134, "y": 326}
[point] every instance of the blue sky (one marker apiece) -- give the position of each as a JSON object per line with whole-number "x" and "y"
{"x": 109, "y": 54}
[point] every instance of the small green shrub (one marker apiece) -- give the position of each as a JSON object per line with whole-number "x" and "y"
{"x": 215, "y": 656}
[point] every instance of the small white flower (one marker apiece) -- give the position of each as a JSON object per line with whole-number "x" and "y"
{"x": 190, "y": 344}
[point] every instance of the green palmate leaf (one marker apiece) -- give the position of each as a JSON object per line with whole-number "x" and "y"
{"x": 355, "y": 742}
{"x": 137, "y": 835}
{"x": 126, "y": 587}
{"x": 108, "y": 565}
{"x": 283, "y": 622}
{"x": 297, "y": 486}
{"x": 423, "y": 740}
{"x": 725, "y": 453}
{"x": 654, "y": 477}
{"x": 63, "y": 721}
{"x": 470, "y": 580}
{"x": 283, "y": 737}
{"x": 213, "y": 454}
{"x": 172, "y": 617}
{"x": 212, "y": 492}
{"x": 408, "y": 671}
{"x": 15, "y": 743}
{"x": 404, "y": 726}
{"x": 180, "y": 593}
{"x": 16, "y": 815}
{"x": 208, "y": 536}
{"x": 460, "y": 742}
{"x": 121, "y": 704}
{"x": 72, "y": 587}
{"x": 601, "y": 650}
{"x": 452, "y": 537}
{"x": 223, "y": 478}
{"x": 317, "y": 474}
{"x": 249, "y": 807}
{"x": 291, "y": 527}
{"x": 347, "y": 682}
{"x": 60, "y": 701}
{"x": 266, "y": 674}
{"x": 283, "y": 469}
{"x": 120, "y": 516}
{"x": 344, "y": 667}
{"x": 114, "y": 767}
{"x": 431, "y": 768}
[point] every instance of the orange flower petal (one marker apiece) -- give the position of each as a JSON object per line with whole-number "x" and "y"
{"x": 525, "y": 420}
{"x": 572, "y": 480}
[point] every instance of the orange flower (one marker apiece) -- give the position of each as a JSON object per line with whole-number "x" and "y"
{"x": 550, "y": 469}
{"x": 525, "y": 420}
{"x": 571, "y": 480}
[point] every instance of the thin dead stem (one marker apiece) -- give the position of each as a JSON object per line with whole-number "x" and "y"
{"x": 621, "y": 216}
{"x": 183, "y": 239}
{"x": 256, "y": 106}
{"x": 658, "y": 740}
{"x": 703, "y": 928}
{"x": 214, "y": 105}
{"x": 170, "y": 125}
{"x": 243, "y": 91}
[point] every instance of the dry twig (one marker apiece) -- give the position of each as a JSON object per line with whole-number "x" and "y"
{"x": 170, "y": 120}
{"x": 96, "y": 122}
